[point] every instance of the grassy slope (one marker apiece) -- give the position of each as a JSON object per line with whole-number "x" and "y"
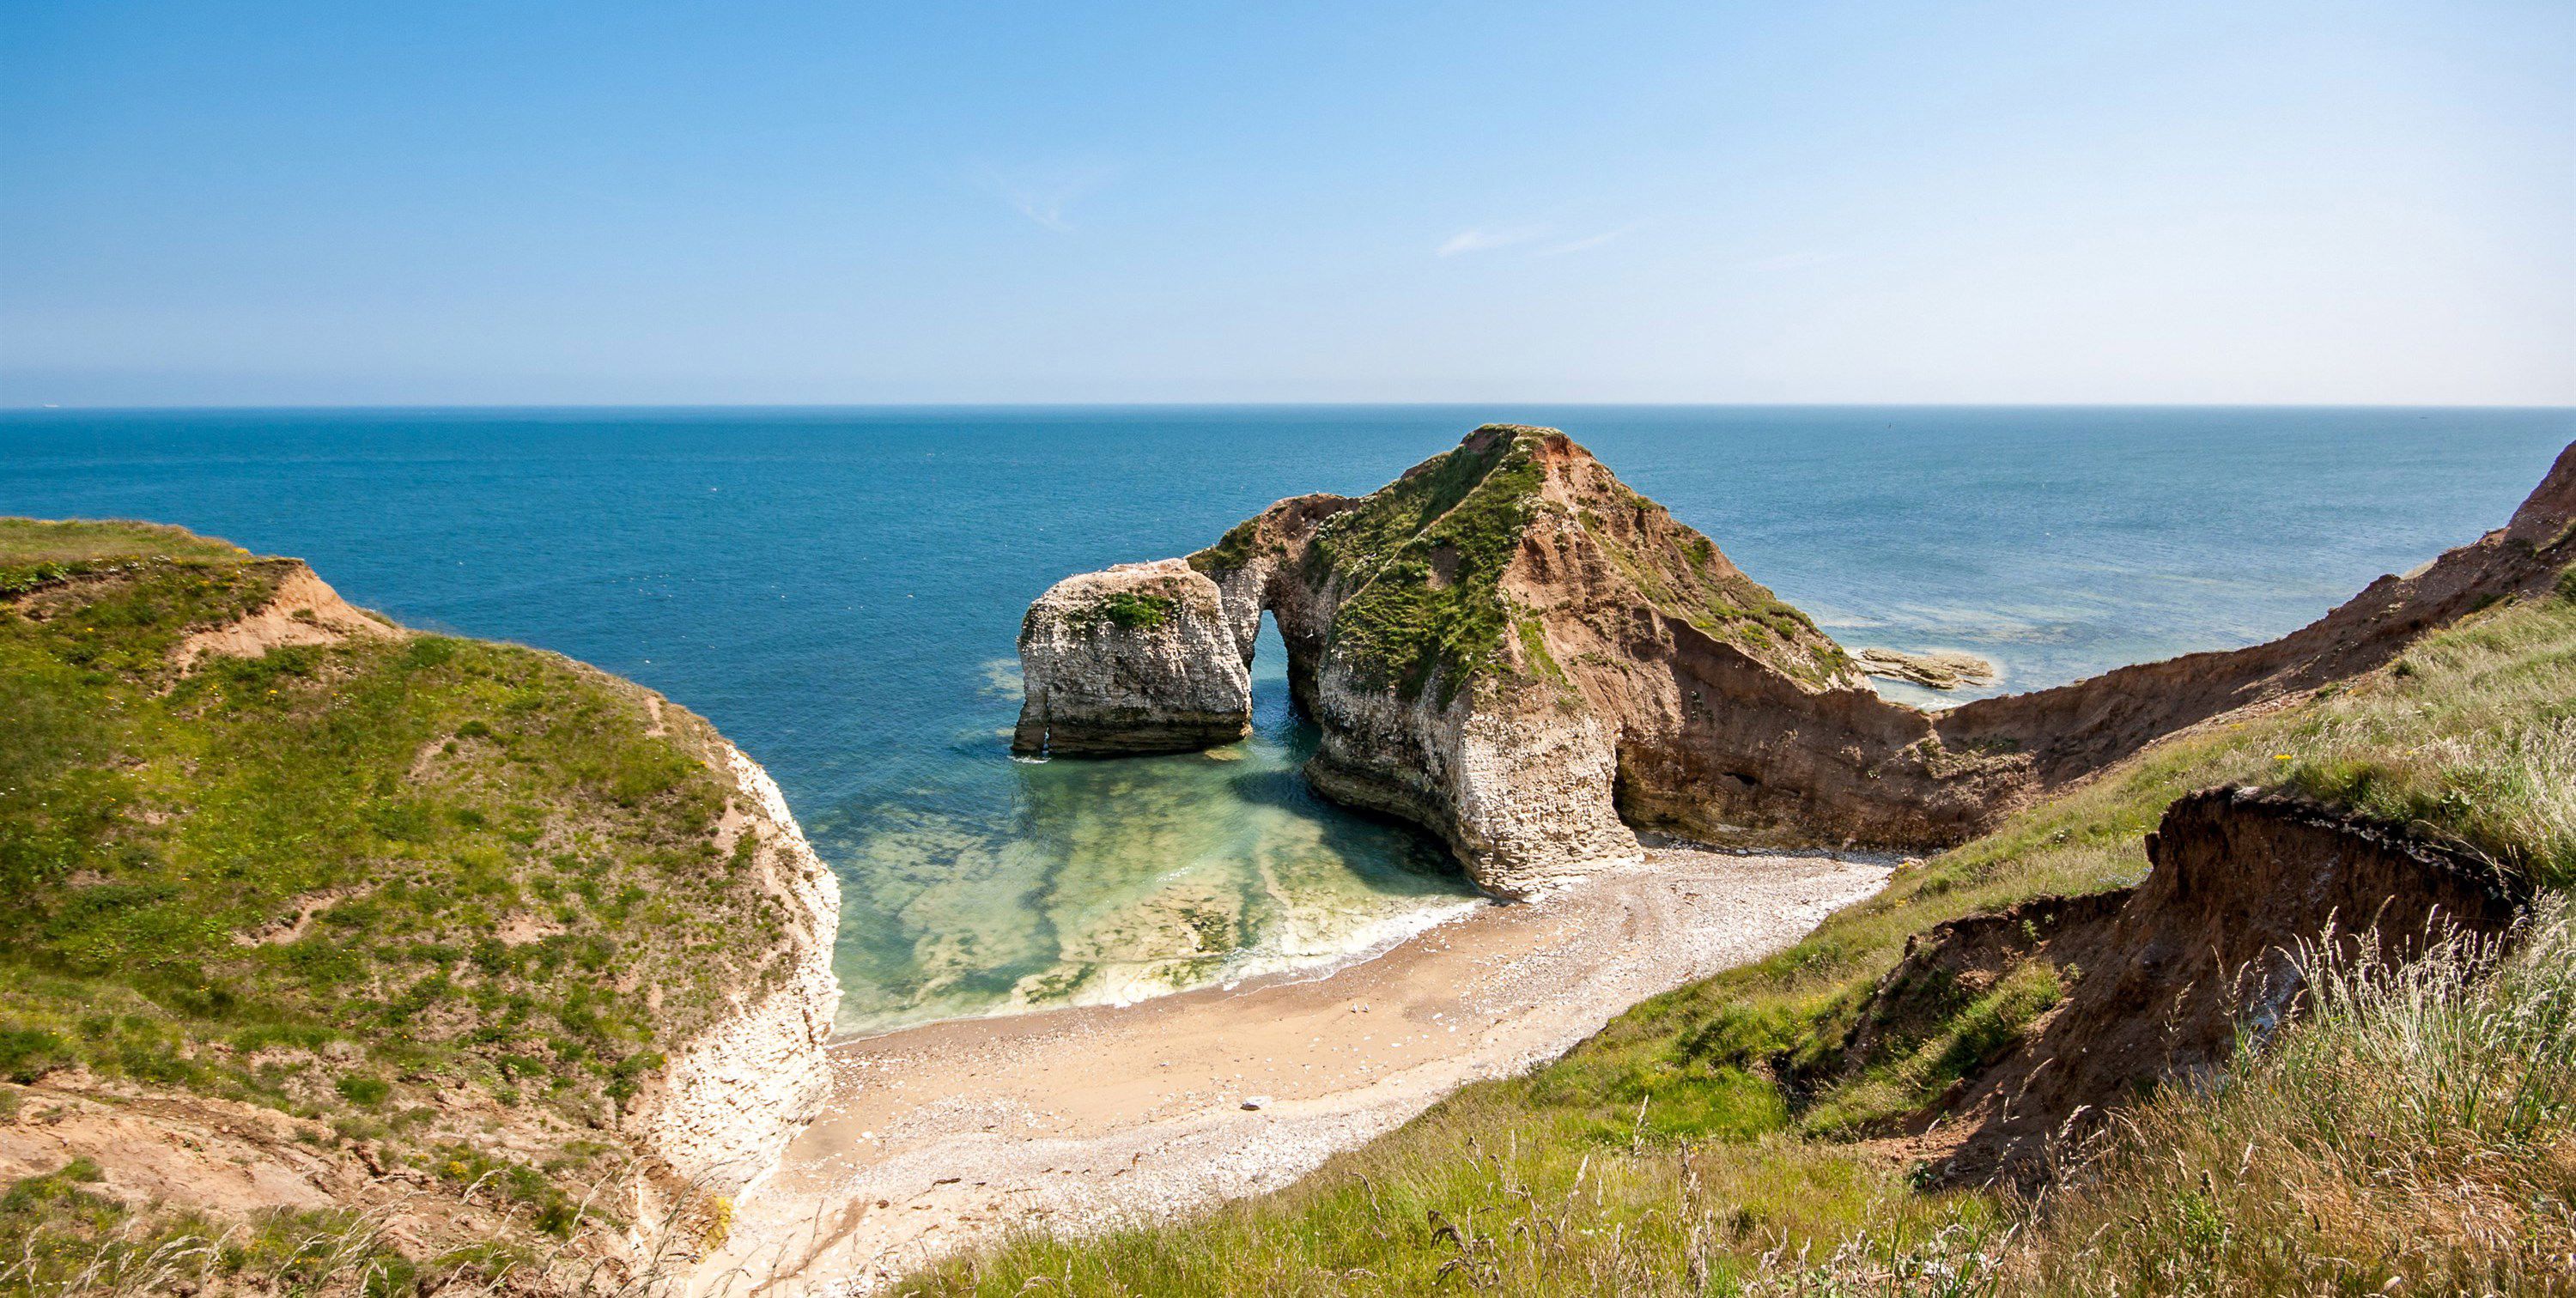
{"x": 1423, "y": 558}
{"x": 1668, "y": 1154}
{"x": 1680, "y": 572}
{"x": 433, "y": 792}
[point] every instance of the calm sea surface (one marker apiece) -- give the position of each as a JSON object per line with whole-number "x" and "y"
{"x": 838, "y": 591}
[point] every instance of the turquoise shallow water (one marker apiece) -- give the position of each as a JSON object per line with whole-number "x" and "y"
{"x": 838, "y": 590}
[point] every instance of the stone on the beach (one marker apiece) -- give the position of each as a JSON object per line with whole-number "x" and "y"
{"x": 1256, "y": 1101}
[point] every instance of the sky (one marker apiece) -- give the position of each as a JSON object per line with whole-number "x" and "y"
{"x": 633, "y": 203}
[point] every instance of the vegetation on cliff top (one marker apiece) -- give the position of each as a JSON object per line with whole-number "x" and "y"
{"x": 1231, "y": 552}
{"x": 1130, "y": 610}
{"x": 1423, "y": 558}
{"x": 1421, "y": 562}
{"x": 2407, "y": 1137}
{"x": 337, "y": 880}
{"x": 1684, "y": 576}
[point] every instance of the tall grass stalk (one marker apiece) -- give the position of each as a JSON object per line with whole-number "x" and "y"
{"x": 2414, "y": 1133}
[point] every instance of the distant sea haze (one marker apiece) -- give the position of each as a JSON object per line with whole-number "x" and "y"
{"x": 838, "y": 590}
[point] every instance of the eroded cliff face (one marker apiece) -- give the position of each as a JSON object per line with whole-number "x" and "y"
{"x": 2073, "y": 730}
{"x": 2165, "y": 977}
{"x": 1511, "y": 648}
{"x": 730, "y": 1098}
{"x": 1137, "y": 659}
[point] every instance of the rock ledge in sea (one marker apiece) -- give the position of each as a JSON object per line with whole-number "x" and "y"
{"x": 1942, "y": 669}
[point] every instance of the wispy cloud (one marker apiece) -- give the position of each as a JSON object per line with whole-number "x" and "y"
{"x": 1792, "y": 260}
{"x": 1488, "y": 238}
{"x": 1046, "y": 195}
{"x": 1592, "y": 241}
{"x": 1483, "y": 239}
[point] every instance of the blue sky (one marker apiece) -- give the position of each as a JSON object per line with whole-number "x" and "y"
{"x": 635, "y": 203}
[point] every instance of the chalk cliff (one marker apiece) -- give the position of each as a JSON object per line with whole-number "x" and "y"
{"x": 406, "y": 917}
{"x": 732, "y": 1096}
{"x": 1137, "y": 659}
{"x": 1513, "y": 649}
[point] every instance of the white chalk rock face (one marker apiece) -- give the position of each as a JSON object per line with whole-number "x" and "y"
{"x": 1139, "y": 658}
{"x": 733, "y": 1095}
{"x": 1521, "y": 789}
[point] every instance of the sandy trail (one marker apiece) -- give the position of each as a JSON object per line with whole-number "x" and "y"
{"x": 942, "y": 1137}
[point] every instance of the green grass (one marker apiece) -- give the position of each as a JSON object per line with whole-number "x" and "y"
{"x": 1681, "y": 573}
{"x": 2416, "y": 1134}
{"x": 29, "y": 541}
{"x": 1231, "y": 552}
{"x": 1701, "y": 1143}
{"x": 2482, "y": 750}
{"x": 336, "y": 879}
{"x": 1423, "y": 558}
{"x": 1134, "y": 610}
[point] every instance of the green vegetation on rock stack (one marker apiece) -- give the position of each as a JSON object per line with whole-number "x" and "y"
{"x": 1231, "y": 551}
{"x": 1714, "y": 1140}
{"x": 1423, "y": 558}
{"x": 336, "y": 878}
{"x": 1421, "y": 564}
{"x": 1135, "y": 610}
{"x": 1682, "y": 574}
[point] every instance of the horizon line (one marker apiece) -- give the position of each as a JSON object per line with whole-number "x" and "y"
{"x": 503, "y": 407}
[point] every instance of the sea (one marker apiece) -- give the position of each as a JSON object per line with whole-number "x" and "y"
{"x": 839, "y": 589}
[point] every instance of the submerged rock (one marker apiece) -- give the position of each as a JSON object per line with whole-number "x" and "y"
{"x": 1940, "y": 670}
{"x": 1137, "y": 659}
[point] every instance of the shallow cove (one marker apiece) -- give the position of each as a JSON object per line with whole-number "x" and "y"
{"x": 1088, "y": 881}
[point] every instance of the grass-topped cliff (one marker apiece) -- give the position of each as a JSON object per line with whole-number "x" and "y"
{"x": 2407, "y": 1136}
{"x": 1423, "y": 559}
{"x": 1423, "y": 564}
{"x": 446, "y": 904}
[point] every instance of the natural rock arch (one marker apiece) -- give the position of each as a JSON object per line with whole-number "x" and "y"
{"x": 1512, "y": 649}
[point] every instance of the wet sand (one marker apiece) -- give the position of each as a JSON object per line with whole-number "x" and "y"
{"x": 950, "y": 1135}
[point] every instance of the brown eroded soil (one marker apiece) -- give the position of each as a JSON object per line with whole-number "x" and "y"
{"x": 305, "y": 610}
{"x": 2166, "y": 974}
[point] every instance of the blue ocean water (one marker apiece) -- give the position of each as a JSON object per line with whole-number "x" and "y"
{"x": 838, "y": 590}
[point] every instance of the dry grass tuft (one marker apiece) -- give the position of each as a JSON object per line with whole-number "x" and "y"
{"x": 2412, "y": 1135}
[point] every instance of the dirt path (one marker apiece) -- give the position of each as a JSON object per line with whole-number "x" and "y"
{"x": 945, "y": 1136}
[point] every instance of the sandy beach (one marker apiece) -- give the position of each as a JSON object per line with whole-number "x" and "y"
{"x": 941, "y": 1137}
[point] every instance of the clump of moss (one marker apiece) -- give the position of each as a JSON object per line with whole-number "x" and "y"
{"x": 1134, "y": 610}
{"x": 1231, "y": 552}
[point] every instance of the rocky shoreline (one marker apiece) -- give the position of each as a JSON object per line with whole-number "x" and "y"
{"x": 1515, "y": 651}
